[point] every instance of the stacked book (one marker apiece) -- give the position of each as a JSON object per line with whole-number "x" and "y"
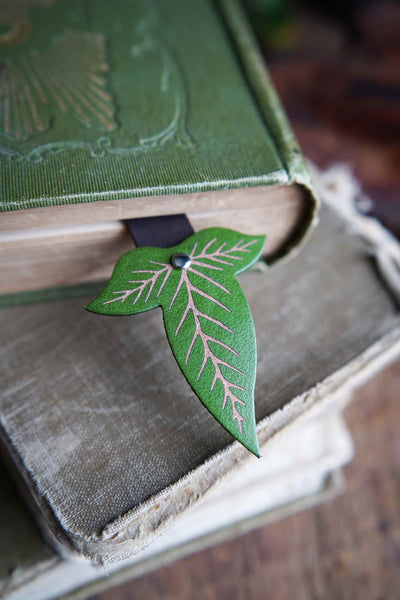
{"x": 145, "y": 111}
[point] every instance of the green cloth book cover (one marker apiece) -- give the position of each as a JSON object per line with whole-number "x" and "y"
{"x": 112, "y": 100}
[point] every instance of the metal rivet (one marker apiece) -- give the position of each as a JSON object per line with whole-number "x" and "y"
{"x": 180, "y": 260}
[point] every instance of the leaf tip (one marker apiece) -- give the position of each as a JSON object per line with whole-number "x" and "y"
{"x": 262, "y": 239}
{"x": 255, "y": 451}
{"x": 92, "y": 307}
{"x": 252, "y": 446}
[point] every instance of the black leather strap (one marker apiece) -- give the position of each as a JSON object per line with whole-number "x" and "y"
{"x": 162, "y": 232}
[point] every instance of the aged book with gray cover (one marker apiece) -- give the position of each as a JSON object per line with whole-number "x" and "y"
{"x": 108, "y": 440}
{"x": 301, "y": 470}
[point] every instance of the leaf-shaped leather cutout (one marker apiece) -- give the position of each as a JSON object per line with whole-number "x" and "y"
{"x": 206, "y": 315}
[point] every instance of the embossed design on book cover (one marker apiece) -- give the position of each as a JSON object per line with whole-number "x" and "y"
{"x": 70, "y": 77}
{"x": 67, "y": 78}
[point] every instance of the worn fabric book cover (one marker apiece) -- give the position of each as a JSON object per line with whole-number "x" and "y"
{"x": 114, "y": 110}
{"x": 303, "y": 468}
{"x": 108, "y": 439}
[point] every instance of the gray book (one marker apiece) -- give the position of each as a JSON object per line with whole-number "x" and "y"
{"x": 301, "y": 470}
{"x": 107, "y": 439}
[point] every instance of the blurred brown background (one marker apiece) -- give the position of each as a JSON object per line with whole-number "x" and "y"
{"x": 336, "y": 66}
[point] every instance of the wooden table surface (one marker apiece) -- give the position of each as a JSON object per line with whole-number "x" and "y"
{"x": 347, "y": 549}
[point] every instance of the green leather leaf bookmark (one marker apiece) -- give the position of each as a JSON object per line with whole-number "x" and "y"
{"x": 206, "y": 315}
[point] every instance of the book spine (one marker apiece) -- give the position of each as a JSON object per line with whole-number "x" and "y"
{"x": 268, "y": 102}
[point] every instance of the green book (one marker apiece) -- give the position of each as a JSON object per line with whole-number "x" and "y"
{"x": 113, "y": 110}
